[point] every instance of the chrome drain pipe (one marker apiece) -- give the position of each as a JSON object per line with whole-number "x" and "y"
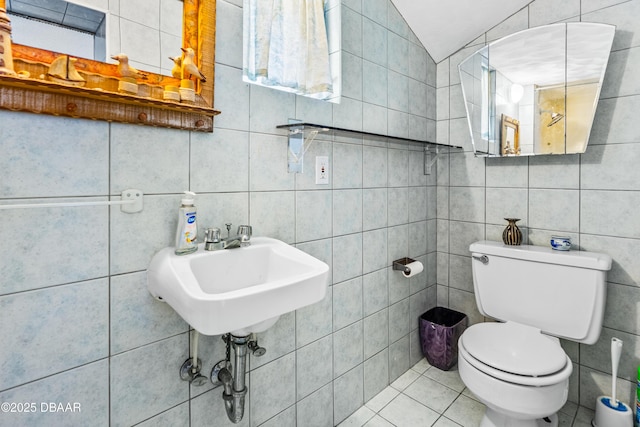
{"x": 235, "y": 389}
{"x": 234, "y": 386}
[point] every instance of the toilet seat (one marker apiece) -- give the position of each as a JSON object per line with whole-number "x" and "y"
{"x": 515, "y": 353}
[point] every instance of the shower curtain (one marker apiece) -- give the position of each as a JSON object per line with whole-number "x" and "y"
{"x": 286, "y": 46}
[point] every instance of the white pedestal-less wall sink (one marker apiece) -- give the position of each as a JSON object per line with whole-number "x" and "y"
{"x": 242, "y": 290}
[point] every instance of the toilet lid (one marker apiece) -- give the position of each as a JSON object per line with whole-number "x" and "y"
{"x": 514, "y": 348}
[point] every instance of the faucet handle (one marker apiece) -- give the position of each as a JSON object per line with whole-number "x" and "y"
{"x": 212, "y": 235}
{"x": 245, "y": 230}
{"x": 211, "y": 239}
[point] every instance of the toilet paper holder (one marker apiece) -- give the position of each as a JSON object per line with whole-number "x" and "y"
{"x": 401, "y": 264}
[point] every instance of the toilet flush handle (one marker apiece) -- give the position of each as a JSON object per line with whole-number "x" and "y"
{"x": 483, "y": 259}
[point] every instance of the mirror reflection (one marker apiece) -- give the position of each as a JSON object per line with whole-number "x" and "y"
{"x": 536, "y": 91}
{"x": 149, "y": 32}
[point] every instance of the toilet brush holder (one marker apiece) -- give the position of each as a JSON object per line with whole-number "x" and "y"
{"x": 612, "y": 414}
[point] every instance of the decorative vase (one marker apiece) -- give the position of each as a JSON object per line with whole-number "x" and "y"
{"x": 512, "y": 234}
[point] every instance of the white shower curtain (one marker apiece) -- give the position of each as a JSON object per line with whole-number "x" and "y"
{"x": 286, "y": 46}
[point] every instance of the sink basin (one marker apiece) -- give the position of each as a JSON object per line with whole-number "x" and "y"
{"x": 241, "y": 290}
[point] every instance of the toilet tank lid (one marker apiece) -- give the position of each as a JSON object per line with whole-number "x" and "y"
{"x": 581, "y": 259}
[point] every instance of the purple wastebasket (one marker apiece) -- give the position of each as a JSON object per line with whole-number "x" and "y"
{"x": 440, "y": 329}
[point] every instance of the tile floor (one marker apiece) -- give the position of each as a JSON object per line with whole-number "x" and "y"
{"x": 427, "y": 396}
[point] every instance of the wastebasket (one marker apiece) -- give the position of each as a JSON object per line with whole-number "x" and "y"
{"x": 440, "y": 329}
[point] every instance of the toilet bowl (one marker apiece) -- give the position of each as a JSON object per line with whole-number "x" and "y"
{"x": 516, "y": 366}
{"x": 535, "y": 390}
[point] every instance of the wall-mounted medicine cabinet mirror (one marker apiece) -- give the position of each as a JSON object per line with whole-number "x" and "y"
{"x": 536, "y": 91}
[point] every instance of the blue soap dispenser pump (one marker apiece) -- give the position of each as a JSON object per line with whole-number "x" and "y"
{"x": 187, "y": 231}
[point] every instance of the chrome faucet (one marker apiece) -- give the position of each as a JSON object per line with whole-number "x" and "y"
{"x": 213, "y": 242}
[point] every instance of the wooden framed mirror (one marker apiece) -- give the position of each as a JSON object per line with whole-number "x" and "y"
{"x": 100, "y": 99}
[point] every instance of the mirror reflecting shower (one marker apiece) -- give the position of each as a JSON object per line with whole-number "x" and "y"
{"x": 536, "y": 91}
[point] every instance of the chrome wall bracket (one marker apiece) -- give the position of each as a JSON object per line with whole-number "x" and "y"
{"x": 298, "y": 145}
{"x": 295, "y": 153}
{"x": 430, "y": 159}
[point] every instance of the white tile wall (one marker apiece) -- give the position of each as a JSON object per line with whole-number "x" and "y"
{"x": 81, "y": 169}
{"x": 76, "y": 319}
{"x": 86, "y": 385}
{"x": 85, "y": 301}
{"x": 141, "y": 390}
{"x": 80, "y": 310}
{"x": 135, "y": 318}
{"x": 591, "y": 197}
{"x": 316, "y": 410}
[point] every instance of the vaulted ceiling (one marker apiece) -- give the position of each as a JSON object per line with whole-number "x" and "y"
{"x": 444, "y": 27}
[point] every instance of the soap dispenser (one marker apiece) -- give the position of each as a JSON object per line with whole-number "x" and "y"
{"x": 187, "y": 231}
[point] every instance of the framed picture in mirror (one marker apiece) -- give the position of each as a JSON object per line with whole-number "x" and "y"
{"x": 509, "y": 136}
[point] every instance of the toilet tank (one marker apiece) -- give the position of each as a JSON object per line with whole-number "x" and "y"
{"x": 561, "y": 293}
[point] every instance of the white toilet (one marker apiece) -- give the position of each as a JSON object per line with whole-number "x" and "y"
{"x": 516, "y": 366}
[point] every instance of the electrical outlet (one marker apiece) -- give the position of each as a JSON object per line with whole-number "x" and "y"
{"x": 322, "y": 170}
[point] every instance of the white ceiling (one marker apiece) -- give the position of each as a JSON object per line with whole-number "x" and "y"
{"x": 444, "y": 26}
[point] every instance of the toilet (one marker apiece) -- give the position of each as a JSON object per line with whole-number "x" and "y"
{"x": 537, "y": 295}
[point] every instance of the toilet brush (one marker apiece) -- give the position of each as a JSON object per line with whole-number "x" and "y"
{"x": 610, "y": 412}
